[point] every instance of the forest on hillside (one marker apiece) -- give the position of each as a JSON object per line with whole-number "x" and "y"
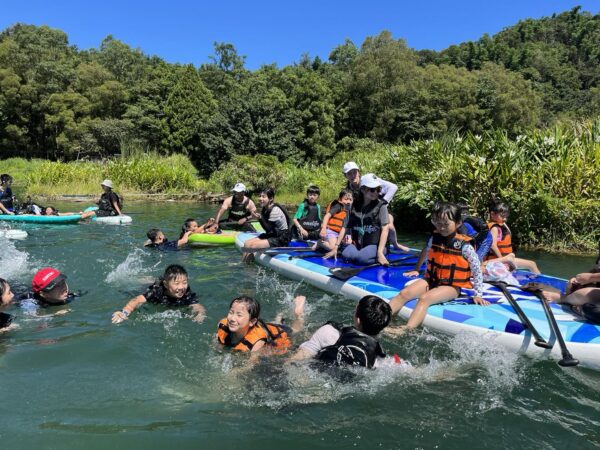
{"x": 62, "y": 103}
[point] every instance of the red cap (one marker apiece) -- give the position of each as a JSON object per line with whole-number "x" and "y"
{"x": 46, "y": 279}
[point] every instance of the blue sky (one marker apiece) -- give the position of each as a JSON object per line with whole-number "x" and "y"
{"x": 274, "y": 31}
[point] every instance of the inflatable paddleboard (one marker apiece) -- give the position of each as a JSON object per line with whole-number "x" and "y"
{"x": 110, "y": 220}
{"x": 13, "y": 234}
{"x": 55, "y": 220}
{"x": 209, "y": 240}
{"x": 460, "y": 315}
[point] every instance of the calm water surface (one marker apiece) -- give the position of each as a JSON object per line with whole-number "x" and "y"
{"x": 158, "y": 380}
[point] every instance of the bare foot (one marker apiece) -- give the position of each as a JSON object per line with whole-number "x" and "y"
{"x": 299, "y": 304}
{"x": 551, "y": 296}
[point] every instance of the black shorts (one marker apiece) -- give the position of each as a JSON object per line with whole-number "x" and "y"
{"x": 433, "y": 284}
{"x": 313, "y": 235}
{"x": 278, "y": 241}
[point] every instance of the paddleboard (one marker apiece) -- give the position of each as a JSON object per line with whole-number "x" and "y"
{"x": 460, "y": 315}
{"x": 110, "y": 220}
{"x": 210, "y": 240}
{"x": 55, "y": 220}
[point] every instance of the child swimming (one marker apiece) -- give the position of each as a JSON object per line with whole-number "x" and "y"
{"x": 6, "y": 298}
{"x": 245, "y": 331}
{"x": 171, "y": 289}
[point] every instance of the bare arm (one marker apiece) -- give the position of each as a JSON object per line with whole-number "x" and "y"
{"x": 199, "y": 312}
{"x": 132, "y": 305}
{"x": 224, "y": 207}
{"x": 494, "y": 246}
{"x": 184, "y": 239}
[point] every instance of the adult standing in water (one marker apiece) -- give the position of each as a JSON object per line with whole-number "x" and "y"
{"x": 388, "y": 190}
{"x": 241, "y": 209}
{"x": 275, "y": 221}
{"x": 368, "y": 224}
{"x": 110, "y": 203}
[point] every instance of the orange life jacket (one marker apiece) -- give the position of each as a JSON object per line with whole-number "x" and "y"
{"x": 446, "y": 265}
{"x": 336, "y": 221}
{"x": 275, "y": 335}
{"x": 504, "y": 244}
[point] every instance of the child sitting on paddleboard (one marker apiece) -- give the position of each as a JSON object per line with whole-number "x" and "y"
{"x": 335, "y": 220}
{"x": 245, "y": 331}
{"x": 157, "y": 239}
{"x": 172, "y": 290}
{"x": 307, "y": 219}
{"x": 355, "y": 345}
{"x": 502, "y": 237}
{"x": 452, "y": 263}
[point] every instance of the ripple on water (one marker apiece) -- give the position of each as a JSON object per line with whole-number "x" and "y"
{"x": 132, "y": 266}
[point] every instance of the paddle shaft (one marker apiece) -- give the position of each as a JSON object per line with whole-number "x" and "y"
{"x": 539, "y": 340}
{"x": 567, "y": 358}
{"x": 345, "y": 273}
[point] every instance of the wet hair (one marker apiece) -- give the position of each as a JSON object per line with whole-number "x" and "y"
{"x": 3, "y": 284}
{"x": 446, "y": 210}
{"x": 374, "y": 314}
{"x": 312, "y": 189}
{"x": 54, "y": 210}
{"x": 4, "y": 178}
{"x": 173, "y": 272}
{"x": 269, "y": 192}
{"x": 186, "y": 227}
{"x": 345, "y": 192}
{"x": 252, "y": 305}
{"x": 499, "y": 207}
{"x": 153, "y": 233}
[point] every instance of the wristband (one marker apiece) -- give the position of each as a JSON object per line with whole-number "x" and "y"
{"x": 125, "y": 312}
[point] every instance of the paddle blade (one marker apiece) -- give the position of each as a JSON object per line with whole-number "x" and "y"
{"x": 345, "y": 273}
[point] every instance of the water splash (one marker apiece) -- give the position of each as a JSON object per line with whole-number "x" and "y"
{"x": 13, "y": 262}
{"x": 133, "y": 266}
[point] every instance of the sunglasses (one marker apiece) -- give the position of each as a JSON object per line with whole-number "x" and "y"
{"x": 368, "y": 189}
{"x": 52, "y": 286}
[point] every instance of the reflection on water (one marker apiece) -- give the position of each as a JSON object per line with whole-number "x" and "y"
{"x": 159, "y": 379}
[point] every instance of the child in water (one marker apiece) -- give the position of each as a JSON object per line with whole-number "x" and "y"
{"x": 157, "y": 239}
{"x": 243, "y": 330}
{"x": 6, "y": 298}
{"x": 171, "y": 289}
{"x": 452, "y": 262}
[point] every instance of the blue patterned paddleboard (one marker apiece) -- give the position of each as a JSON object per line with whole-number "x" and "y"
{"x": 460, "y": 315}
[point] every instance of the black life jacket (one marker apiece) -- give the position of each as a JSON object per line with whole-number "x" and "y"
{"x": 353, "y": 348}
{"x": 6, "y": 198}
{"x": 355, "y": 191}
{"x": 271, "y": 227}
{"x": 5, "y": 319}
{"x": 105, "y": 205}
{"x": 238, "y": 210}
{"x": 311, "y": 220}
{"x": 480, "y": 230}
{"x": 364, "y": 224}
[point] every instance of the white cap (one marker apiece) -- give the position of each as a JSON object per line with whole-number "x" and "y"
{"x": 350, "y": 165}
{"x": 106, "y": 183}
{"x": 370, "y": 180}
{"x": 239, "y": 187}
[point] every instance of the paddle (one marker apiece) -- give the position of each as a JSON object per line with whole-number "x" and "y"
{"x": 279, "y": 250}
{"x": 345, "y": 273}
{"x": 539, "y": 340}
{"x": 567, "y": 358}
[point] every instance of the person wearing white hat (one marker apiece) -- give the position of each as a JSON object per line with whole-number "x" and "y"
{"x": 388, "y": 190}
{"x": 368, "y": 225}
{"x": 241, "y": 209}
{"x": 110, "y": 203}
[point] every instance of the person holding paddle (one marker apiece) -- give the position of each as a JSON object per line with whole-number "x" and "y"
{"x": 241, "y": 209}
{"x": 452, "y": 262}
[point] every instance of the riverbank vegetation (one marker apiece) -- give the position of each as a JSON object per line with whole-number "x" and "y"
{"x": 550, "y": 178}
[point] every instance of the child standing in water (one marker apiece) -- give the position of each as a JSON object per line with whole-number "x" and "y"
{"x": 171, "y": 289}
{"x": 245, "y": 331}
{"x": 451, "y": 263}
